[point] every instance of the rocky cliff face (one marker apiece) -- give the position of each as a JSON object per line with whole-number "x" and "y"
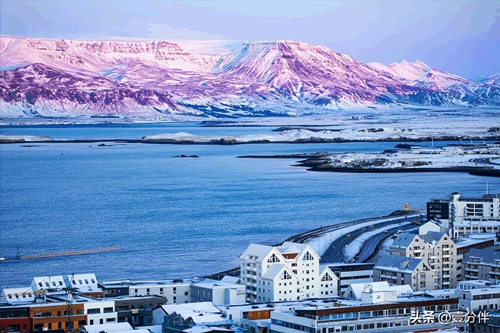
{"x": 44, "y": 77}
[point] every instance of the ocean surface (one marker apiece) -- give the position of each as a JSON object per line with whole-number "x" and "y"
{"x": 179, "y": 217}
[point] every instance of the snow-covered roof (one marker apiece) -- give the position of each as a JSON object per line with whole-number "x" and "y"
{"x": 403, "y": 241}
{"x": 114, "y": 327}
{"x": 397, "y": 264}
{"x": 289, "y": 247}
{"x": 355, "y": 290}
{"x": 432, "y": 237}
{"x": 487, "y": 256}
{"x": 231, "y": 279}
{"x": 201, "y": 313}
{"x": 273, "y": 271}
{"x": 17, "y": 295}
{"x": 257, "y": 251}
{"x": 82, "y": 282}
{"x": 205, "y": 329}
{"x": 210, "y": 284}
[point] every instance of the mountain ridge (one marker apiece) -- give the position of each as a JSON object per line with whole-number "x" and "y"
{"x": 163, "y": 78}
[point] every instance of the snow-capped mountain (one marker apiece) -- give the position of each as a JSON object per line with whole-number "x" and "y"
{"x": 43, "y": 77}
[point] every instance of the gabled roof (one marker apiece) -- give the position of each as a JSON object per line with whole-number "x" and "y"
{"x": 487, "y": 256}
{"x": 323, "y": 268}
{"x": 17, "y": 295}
{"x": 432, "y": 237}
{"x": 403, "y": 241}
{"x": 289, "y": 247}
{"x": 273, "y": 271}
{"x": 397, "y": 263}
{"x": 256, "y": 250}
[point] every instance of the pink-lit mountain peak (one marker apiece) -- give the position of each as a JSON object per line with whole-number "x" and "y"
{"x": 157, "y": 78}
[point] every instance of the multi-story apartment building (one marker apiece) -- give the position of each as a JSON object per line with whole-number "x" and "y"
{"x": 478, "y": 296}
{"x": 57, "y": 316}
{"x": 217, "y": 292}
{"x": 349, "y": 273}
{"x": 481, "y": 264}
{"x": 100, "y": 311}
{"x": 14, "y": 319}
{"x": 176, "y": 291}
{"x": 349, "y": 316}
{"x": 467, "y": 215}
{"x": 437, "y": 250}
{"x": 398, "y": 270}
{"x": 287, "y": 272}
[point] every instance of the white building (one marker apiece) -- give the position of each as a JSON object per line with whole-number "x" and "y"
{"x": 429, "y": 226}
{"x": 359, "y": 291}
{"x": 175, "y": 292}
{"x": 17, "y": 295}
{"x": 287, "y": 272}
{"x": 84, "y": 283}
{"x": 217, "y": 292}
{"x": 349, "y": 273}
{"x": 473, "y": 297}
{"x": 100, "y": 312}
{"x": 467, "y": 215}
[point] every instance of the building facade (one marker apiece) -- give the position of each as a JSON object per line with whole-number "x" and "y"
{"x": 287, "y": 272}
{"x": 217, "y": 292}
{"x": 384, "y": 317}
{"x": 100, "y": 312}
{"x": 399, "y": 270}
{"x": 437, "y": 250}
{"x": 467, "y": 215}
{"x": 482, "y": 264}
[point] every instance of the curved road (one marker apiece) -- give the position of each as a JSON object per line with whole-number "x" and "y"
{"x": 371, "y": 245}
{"x": 334, "y": 252}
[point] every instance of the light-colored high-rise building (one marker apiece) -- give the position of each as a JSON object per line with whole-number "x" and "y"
{"x": 467, "y": 215}
{"x": 437, "y": 250}
{"x": 288, "y": 272}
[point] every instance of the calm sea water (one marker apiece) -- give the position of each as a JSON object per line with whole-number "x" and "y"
{"x": 180, "y": 217}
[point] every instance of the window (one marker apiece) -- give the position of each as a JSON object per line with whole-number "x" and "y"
{"x": 273, "y": 258}
{"x": 286, "y": 276}
{"x": 80, "y": 281}
{"x": 161, "y": 290}
{"x": 110, "y": 320}
{"x": 86, "y": 281}
{"x": 308, "y": 256}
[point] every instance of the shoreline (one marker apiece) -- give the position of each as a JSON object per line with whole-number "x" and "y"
{"x": 223, "y": 141}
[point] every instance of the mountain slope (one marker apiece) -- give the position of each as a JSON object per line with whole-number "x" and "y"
{"x": 43, "y": 77}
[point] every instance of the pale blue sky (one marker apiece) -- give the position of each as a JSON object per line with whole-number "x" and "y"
{"x": 461, "y": 37}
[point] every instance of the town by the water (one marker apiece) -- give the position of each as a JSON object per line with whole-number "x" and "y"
{"x": 436, "y": 270}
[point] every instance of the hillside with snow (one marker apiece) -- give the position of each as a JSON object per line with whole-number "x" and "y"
{"x": 165, "y": 80}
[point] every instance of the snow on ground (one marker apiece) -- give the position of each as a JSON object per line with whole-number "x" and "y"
{"x": 6, "y": 138}
{"x": 321, "y": 243}
{"x": 437, "y": 158}
{"x": 362, "y": 129}
{"x": 357, "y": 244}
